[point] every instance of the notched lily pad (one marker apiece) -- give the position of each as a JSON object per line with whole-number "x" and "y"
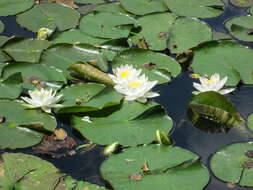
{"x": 107, "y": 25}
{"x": 152, "y": 167}
{"x": 155, "y": 66}
{"x": 143, "y": 7}
{"x": 215, "y": 107}
{"x": 49, "y": 15}
{"x": 233, "y": 164}
{"x": 128, "y": 126}
{"x": 13, "y": 7}
{"x": 196, "y": 8}
{"x": 227, "y": 58}
{"x": 241, "y": 28}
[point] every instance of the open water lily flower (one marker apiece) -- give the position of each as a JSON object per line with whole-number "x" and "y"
{"x": 45, "y": 99}
{"x": 124, "y": 73}
{"x": 212, "y": 84}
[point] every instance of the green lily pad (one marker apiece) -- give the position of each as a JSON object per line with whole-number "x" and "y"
{"x": 26, "y": 50}
{"x": 89, "y": 1}
{"x": 4, "y": 39}
{"x": 40, "y": 71}
{"x": 233, "y": 164}
{"x": 14, "y": 6}
{"x": 22, "y": 125}
{"x": 75, "y": 36}
{"x": 23, "y": 171}
{"x": 143, "y": 7}
{"x": 114, "y": 7}
{"x": 241, "y": 28}
{"x": 250, "y": 122}
{"x": 107, "y": 25}
{"x": 155, "y": 30}
{"x": 242, "y": 3}
{"x": 1, "y": 26}
{"x": 88, "y": 97}
{"x": 251, "y": 10}
{"x": 188, "y": 33}
{"x": 196, "y": 8}
{"x": 166, "y": 167}
{"x": 61, "y": 56}
{"x": 49, "y": 15}
{"x": 126, "y": 126}
{"x": 4, "y": 57}
{"x": 216, "y": 107}
{"x": 227, "y": 58}
{"x": 155, "y": 66}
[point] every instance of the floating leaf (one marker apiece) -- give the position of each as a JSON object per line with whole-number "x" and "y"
{"x": 155, "y": 167}
{"x": 241, "y": 27}
{"x": 63, "y": 55}
{"x": 75, "y": 36}
{"x": 196, "y": 8}
{"x": 126, "y": 126}
{"x": 216, "y": 107}
{"x": 156, "y": 66}
{"x": 188, "y": 33}
{"x": 114, "y": 7}
{"x": 49, "y": 15}
{"x": 88, "y": 97}
{"x": 26, "y": 50}
{"x": 242, "y": 3}
{"x": 1, "y": 26}
{"x": 154, "y": 30}
{"x": 226, "y": 58}
{"x": 28, "y": 172}
{"x": 234, "y": 164}
{"x": 15, "y": 6}
{"x": 143, "y": 7}
{"x": 250, "y": 122}
{"x": 107, "y": 25}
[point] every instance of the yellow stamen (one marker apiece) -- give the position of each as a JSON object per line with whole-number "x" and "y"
{"x": 124, "y": 74}
{"x": 135, "y": 84}
{"x": 209, "y": 81}
{"x": 195, "y": 76}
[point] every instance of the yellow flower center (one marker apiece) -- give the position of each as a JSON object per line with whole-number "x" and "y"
{"x": 124, "y": 74}
{"x": 135, "y": 84}
{"x": 209, "y": 81}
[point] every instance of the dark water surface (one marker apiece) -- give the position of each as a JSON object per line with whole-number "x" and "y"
{"x": 174, "y": 97}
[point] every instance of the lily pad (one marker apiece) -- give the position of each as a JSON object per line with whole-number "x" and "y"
{"x": 29, "y": 172}
{"x": 114, "y": 7}
{"x": 49, "y": 15}
{"x": 26, "y": 50}
{"x": 14, "y": 6}
{"x": 233, "y": 164}
{"x": 227, "y": 58}
{"x": 155, "y": 66}
{"x": 126, "y": 126}
{"x": 1, "y": 26}
{"x": 61, "y": 56}
{"x": 196, "y": 8}
{"x": 107, "y": 25}
{"x": 154, "y": 30}
{"x": 166, "y": 167}
{"x": 188, "y": 33}
{"x": 216, "y": 107}
{"x": 88, "y": 97}
{"x": 75, "y": 36}
{"x": 250, "y": 122}
{"x": 11, "y": 88}
{"x": 89, "y": 1}
{"x": 242, "y": 3}
{"x": 143, "y": 7}
{"x": 241, "y": 28}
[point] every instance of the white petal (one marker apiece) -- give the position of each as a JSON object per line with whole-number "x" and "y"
{"x": 226, "y": 91}
{"x": 198, "y": 86}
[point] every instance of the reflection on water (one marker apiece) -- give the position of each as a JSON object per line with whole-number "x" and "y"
{"x": 174, "y": 97}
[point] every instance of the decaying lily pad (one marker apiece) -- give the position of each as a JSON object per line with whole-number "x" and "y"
{"x": 241, "y": 27}
{"x": 155, "y": 66}
{"x": 227, "y": 58}
{"x": 14, "y": 6}
{"x": 154, "y": 166}
{"x": 196, "y": 8}
{"x": 49, "y": 15}
{"x": 215, "y": 107}
{"x": 133, "y": 124}
{"x": 234, "y": 164}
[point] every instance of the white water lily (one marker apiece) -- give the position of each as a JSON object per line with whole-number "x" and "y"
{"x": 124, "y": 73}
{"x": 45, "y": 99}
{"x": 212, "y": 84}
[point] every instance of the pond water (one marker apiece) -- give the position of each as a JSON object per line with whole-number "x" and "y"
{"x": 174, "y": 97}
